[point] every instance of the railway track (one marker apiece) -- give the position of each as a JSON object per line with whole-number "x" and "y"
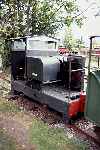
{"x": 81, "y": 129}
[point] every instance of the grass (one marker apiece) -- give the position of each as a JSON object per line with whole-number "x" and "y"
{"x": 46, "y": 138}
{"x": 9, "y": 107}
{"x": 6, "y": 143}
{"x": 40, "y": 134}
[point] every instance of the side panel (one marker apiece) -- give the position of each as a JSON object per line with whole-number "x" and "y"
{"x": 92, "y": 110}
{"x": 34, "y": 68}
{"x": 18, "y": 64}
{"x": 43, "y": 69}
{"x": 41, "y": 97}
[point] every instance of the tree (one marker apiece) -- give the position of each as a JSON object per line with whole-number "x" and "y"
{"x": 79, "y": 44}
{"x": 72, "y": 43}
{"x": 25, "y": 17}
{"x": 21, "y": 17}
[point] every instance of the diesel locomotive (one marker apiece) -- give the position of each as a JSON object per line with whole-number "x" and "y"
{"x": 41, "y": 73}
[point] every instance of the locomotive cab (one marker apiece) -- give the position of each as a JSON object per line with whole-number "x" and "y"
{"x": 34, "y": 58}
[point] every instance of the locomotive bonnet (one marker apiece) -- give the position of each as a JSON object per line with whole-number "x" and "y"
{"x": 43, "y": 69}
{"x": 42, "y": 62}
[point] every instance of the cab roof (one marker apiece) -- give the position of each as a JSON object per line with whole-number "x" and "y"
{"x": 37, "y": 38}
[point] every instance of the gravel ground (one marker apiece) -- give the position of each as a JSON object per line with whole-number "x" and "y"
{"x": 52, "y": 118}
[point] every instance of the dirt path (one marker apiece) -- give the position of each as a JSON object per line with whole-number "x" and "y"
{"x": 17, "y": 127}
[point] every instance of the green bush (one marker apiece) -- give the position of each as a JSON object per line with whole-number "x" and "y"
{"x": 5, "y": 52}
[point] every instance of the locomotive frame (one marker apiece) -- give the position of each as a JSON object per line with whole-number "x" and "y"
{"x": 51, "y": 93}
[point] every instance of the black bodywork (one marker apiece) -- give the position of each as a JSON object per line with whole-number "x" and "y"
{"x": 18, "y": 65}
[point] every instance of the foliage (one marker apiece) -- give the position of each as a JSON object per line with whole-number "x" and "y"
{"x": 25, "y": 17}
{"x": 5, "y": 52}
{"x": 21, "y": 17}
{"x": 79, "y": 44}
{"x": 71, "y": 43}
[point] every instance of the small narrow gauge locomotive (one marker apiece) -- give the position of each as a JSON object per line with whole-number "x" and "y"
{"x": 41, "y": 73}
